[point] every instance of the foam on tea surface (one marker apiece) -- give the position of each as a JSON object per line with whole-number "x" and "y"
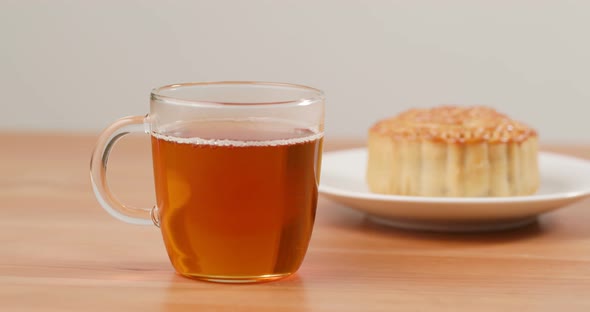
{"x": 237, "y": 133}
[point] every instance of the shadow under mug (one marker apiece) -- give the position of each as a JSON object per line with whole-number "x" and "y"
{"x": 236, "y": 168}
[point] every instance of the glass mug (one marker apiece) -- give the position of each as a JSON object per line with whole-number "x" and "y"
{"x": 236, "y": 169}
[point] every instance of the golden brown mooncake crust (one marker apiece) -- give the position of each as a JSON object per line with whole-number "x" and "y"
{"x": 454, "y": 124}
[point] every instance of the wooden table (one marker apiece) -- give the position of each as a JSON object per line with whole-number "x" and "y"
{"x": 60, "y": 251}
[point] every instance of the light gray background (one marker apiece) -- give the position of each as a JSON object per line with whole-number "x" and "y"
{"x": 78, "y": 65}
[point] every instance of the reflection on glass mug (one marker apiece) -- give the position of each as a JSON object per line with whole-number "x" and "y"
{"x": 236, "y": 168}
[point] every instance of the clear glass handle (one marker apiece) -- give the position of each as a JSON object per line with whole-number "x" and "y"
{"x": 98, "y": 172}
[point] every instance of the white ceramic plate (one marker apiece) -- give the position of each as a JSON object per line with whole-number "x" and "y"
{"x": 564, "y": 180}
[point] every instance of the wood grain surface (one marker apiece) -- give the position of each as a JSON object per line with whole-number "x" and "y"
{"x": 59, "y": 251}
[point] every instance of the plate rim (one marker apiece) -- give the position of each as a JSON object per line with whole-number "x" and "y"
{"x": 335, "y": 191}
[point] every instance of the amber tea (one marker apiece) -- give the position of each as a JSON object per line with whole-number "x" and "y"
{"x": 236, "y": 198}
